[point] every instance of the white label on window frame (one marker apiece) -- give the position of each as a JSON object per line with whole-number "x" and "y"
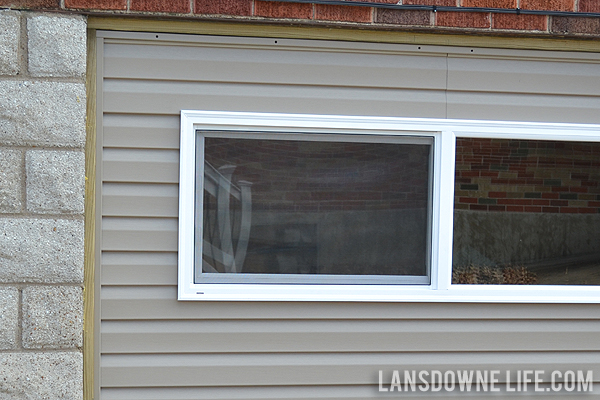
{"x": 444, "y": 133}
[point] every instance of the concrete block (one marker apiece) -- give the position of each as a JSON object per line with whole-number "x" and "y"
{"x": 9, "y": 317}
{"x": 10, "y": 32}
{"x": 32, "y": 375}
{"x": 517, "y": 238}
{"x": 52, "y": 317}
{"x": 56, "y": 45}
{"x": 55, "y": 181}
{"x": 42, "y": 113}
{"x": 10, "y": 180}
{"x": 41, "y": 250}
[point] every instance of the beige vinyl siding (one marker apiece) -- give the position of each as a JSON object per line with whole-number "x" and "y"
{"x": 154, "y": 347}
{"x": 527, "y": 88}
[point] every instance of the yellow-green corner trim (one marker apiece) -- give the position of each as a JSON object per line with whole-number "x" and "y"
{"x": 340, "y": 33}
{"x": 90, "y": 221}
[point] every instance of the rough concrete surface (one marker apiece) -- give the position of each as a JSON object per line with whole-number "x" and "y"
{"x": 493, "y": 238}
{"x": 43, "y": 376}
{"x": 42, "y": 113}
{"x": 10, "y": 32}
{"x": 10, "y": 180}
{"x": 55, "y": 181}
{"x": 52, "y": 317}
{"x": 41, "y": 250}
{"x": 9, "y": 317}
{"x": 57, "y": 45}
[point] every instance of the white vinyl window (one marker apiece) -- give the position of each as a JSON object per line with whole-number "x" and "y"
{"x": 342, "y": 208}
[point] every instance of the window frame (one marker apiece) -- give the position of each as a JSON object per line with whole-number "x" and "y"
{"x": 444, "y": 133}
{"x": 406, "y": 138}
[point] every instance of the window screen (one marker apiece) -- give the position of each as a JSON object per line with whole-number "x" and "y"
{"x": 312, "y": 209}
{"x": 527, "y": 212}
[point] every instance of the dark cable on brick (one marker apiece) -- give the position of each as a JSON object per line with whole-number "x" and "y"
{"x": 517, "y": 11}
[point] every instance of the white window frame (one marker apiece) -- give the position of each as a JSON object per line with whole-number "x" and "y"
{"x": 444, "y": 132}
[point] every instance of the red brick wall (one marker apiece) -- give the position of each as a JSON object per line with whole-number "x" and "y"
{"x": 527, "y": 176}
{"x": 289, "y": 175}
{"x": 455, "y": 20}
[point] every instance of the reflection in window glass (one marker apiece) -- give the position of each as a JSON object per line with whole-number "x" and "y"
{"x": 315, "y": 207}
{"x": 527, "y": 212}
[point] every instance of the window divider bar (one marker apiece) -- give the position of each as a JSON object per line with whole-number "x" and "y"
{"x": 441, "y": 277}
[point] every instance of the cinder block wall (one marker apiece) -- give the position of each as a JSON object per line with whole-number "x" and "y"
{"x": 42, "y": 179}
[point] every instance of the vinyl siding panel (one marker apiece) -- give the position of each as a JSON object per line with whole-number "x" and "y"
{"x": 314, "y": 369}
{"x": 141, "y": 165}
{"x": 139, "y": 234}
{"x": 271, "y": 63}
{"x": 154, "y": 347}
{"x": 523, "y": 88}
{"x": 354, "y": 392}
{"x": 171, "y": 97}
{"x": 235, "y": 336}
{"x": 140, "y": 200}
{"x": 134, "y": 269}
{"x": 149, "y": 132}
{"x": 523, "y": 75}
{"x": 523, "y": 107}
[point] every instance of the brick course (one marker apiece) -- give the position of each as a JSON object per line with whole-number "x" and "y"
{"x": 527, "y": 176}
{"x": 403, "y": 17}
{"x": 551, "y": 5}
{"x": 229, "y": 7}
{"x": 589, "y": 6}
{"x": 30, "y": 4}
{"x": 520, "y": 22}
{"x": 446, "y": 3}
{"x": 283, "y": 10}
{"x": 97, "y": 4}
{"x": 171, "y": 6}
{"x": 295, "y": 177}
{"x": 573, "y": 25}
{"x": 343, "y": 13}
{"x": 489, "y": 3}
{"x": 463, "y": 19}
{"x": 510, "y": 23}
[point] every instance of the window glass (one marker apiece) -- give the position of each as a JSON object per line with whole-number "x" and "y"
{"x": 274, "y": 209}
{"x": 526, "y": 212}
